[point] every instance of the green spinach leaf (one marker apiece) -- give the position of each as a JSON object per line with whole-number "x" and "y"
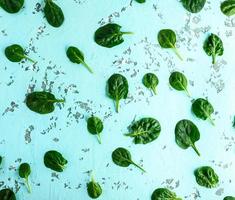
{"x": 94, "y": 189}
{"x": 76, "y": 56}
{"x": 117, "y": 88}
{"x": 179, "y": 82}
{"x": 229, "y": 198}
{"x": 53, "y": 14}
{"x": 42, "y": 102}
{"x": 203, "y": 109}
{"x": 186, "y": 134}
{"x": 206, "y": 177}
{"x": 15, "y": 53}
{"x": 55, "y": 161}
{"x": 167, "y": 40}
{"x": 11, "y": 6}
{"x": 193, "y": 6}
{"x": 145, "y": 130}
{"x": 7, "y": 194}
{"x": 110, "y": 35}
{"x": 95, "y": 126}
{"x": 164, "y": 194}
{"x": 150, "y": 81}
{"x": 228, "y": 7}
{"x": 122, "y": 158}
{"x": 141, "y": 1}
{"x": 24, "y": 172}
{"x": 213, "y": 46}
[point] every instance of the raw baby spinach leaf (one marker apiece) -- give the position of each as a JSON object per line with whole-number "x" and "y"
{"x": 164, "y": 194}
{"x": 24, "y": 172}
{"x": 203, "y": 109}
{"x": 11, "y": 6}
{"x": 95, "y": 126}
{"x": 7, "y": 194}
{"x": 122, "y": 158}
{"x": 179, "y": 82}
{"x": 213, "y": 46}
{"x": 109, "y": 35}
{"x": 228, "y": 7}
{"x": 42, "y": 102}
{"x": 94, "y": 189}
{"x": 53, "y": 14}
{"x": 206, "y": 177}
{"x": 186, "y": 134}
{"x": 167, "y": 40}
{"x": 193, "y": 6}
{"x": 145, "y": 130}
{"x": 229, "y": 198}
{"x": 117, "y": 86}
{"x": 76, "y": 56}
{"x": 55, "y": 161}
{"x": 15, "y": 53}
{"x": 141, "y": 1}
{"x": 151, "y": 81}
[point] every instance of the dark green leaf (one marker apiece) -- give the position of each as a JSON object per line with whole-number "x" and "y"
{"x": 95, "y": 126}
{"x": 193, "y": 6}
{"x": 117, "y": 88}
{"x": 228, "y": 7}
{"x": 186, "y": 134}
{"x": 7, "y": 194}
{"x": 76, "y": 56}
{"x": 145, "y": 130}
{"x": 206, "y": 177}
{"x": 109, "y": 35}
{"x": 164, "y": 194}
{"x": 213, "y": 46}
{"x": 42, "y": 102}
{"x": 24, "y": 172}
{"x": 179, "y": 82}
{"x": 53, "y": 14}
{"x": 94, "y": 189}
{"x": 167, "y": 40}
{"x": 122, "y": 158}
{"x": 150, "y": 81}
{"x": 55, "y": 161}
{"x": 229, "y": 198}
{"x": 15, "y": 53}
{"x": 203, "y": 109}
{"x": 141, "y": 1}
{"x": 11, "y": 6}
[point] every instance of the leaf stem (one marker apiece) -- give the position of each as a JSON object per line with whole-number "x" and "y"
{"x": 117, "y": 105}
{"x": 138, "y": 166}
{"x": 213, "y": 58}
{"x": 99, "y": 138}
{"x": 27, "y": 185}
{"x": 177, "y": 53}
{"x": 195, "y": 149}
{"x": 154, "y": 90}
{"x": 127, "y": 33}
{"x": 211, "y": 120}
{"x": 29, "y": 59}
{"x": 88, "y": 67}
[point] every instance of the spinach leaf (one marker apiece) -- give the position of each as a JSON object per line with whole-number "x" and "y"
{"x": 228, "y": 7}
{"x": 206, "y": 177}
{"x": 109, "y": 35}
{"x": 53, "y": 14}
{"x": 186, "y": 134}
{"x": 15, "y": 53}
{"x": 193, "y": 6}
{"x": 213, "y": 46}
{"x": 203, "y": 109}
{"x": 7, "y": 194}
{"x": 11, "y": 6}
{"x": 179, "y": 82}
{"x": 94, "y": 189}
{"x": 76, "y": 56}
{"x": 24, "y": 172}
{"x": 150, "y": 81}
{"x": 229, "y": 198}
{"x": 117, "y": 88}
{"x": 55, "y": 161}
{"x": 164, "y": 194}
{"x": 141, "y": 1}
{"x": 42, "y": 102}
{"x": 95, "y": 126}
{"x": 167, "y": 40}
{"x": 122, "y": 158}
{"x": 145, "y": 130}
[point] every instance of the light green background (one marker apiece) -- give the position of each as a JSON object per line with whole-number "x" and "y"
{"x": 25, "y": 136}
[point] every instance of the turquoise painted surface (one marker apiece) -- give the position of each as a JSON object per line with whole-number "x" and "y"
{"x": 26, "y": 136}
